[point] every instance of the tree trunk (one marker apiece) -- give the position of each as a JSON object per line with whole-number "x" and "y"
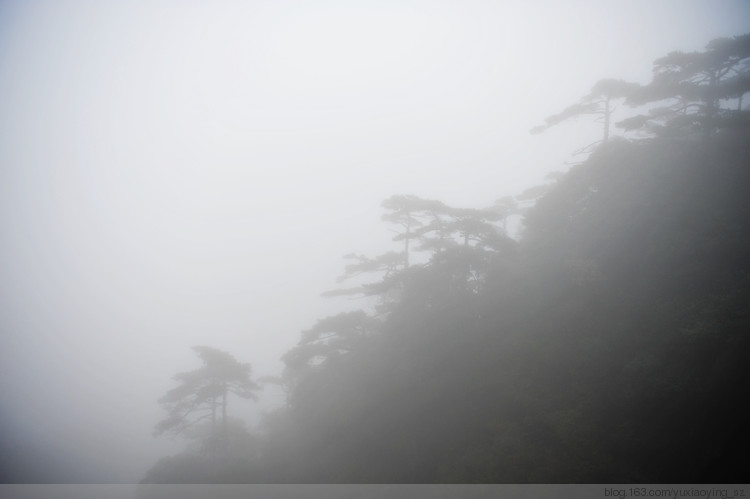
{"x": 212, "y": 437}
{"x": 607, "y": 116}
{"x": 711, "y": 105}
{"x": 224, "y": 415}
{"x": 406, "y": 244}
{"x": 213, "y": 415}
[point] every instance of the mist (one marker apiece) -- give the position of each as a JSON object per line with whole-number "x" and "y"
{"x": 175, "y": 174}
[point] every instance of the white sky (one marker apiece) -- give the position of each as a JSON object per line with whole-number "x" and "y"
{"x": 190, "y": 172}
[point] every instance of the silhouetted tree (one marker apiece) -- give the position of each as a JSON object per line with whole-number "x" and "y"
{"x": 202, "y": 394}
{"x": 692, "y": 85}
{"x": 439, "y": 232}
{"x": 402, "y": 211}
{"x": 598, "y": 102}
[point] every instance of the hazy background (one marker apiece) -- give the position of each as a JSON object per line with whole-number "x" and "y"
{"x": 182, "y": 173}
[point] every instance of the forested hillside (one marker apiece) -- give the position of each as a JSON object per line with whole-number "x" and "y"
{"x": 608, "y": 345}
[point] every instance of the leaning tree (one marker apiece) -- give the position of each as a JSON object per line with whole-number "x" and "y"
{"x": 599, "y": 102}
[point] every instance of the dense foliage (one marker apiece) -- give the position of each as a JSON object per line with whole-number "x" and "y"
{"x": 609, "y": 344}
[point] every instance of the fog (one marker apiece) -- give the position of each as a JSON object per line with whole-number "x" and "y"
{"x": 190, "y": 173}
